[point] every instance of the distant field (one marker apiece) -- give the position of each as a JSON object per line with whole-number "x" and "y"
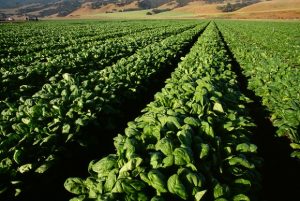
{"x": 142, "y": 14}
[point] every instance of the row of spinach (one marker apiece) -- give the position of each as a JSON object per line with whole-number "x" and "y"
{"x": 35, "y": 131}
{"x": 30, "y": 38}
{"x": 191, "y": 143}
{"x": 272, "y": 74}
{"x": 24, "y": 80}
{"x": 39, "y": 50}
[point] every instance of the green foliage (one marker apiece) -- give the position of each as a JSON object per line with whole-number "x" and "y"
{"x": 270, "y": 64}
{"x": 179, "y": 147}
{"x": 38, "y": 127}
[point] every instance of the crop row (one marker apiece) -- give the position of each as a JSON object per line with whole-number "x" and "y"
{"x": 273, "y": 77}
{"x": 35, "y": 131}
{"x": 56, "y": 35}
{"x": 24, "y": 80}
{"x": 278, "y": 39}
{"x": 191, "y": 142}
{"x": 42, "y": 50}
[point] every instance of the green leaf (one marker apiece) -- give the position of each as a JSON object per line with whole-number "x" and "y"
{"x": 79, "y": 122}
{"x": 241, "y": 197}
{"x": 165, "y": 145}
{"x": 136, "y": 197}
{"x": 25, "y": 168}
{"x": 131, "y": 164}
{"x": 70, "y": 136}
{"x": 18, "y": 156}
{"x": 17, "y": 192}
{"x": 246, "y": 148}
{"x": 79, "y": 198}
{"x": 295, "y": 145}
{"x": 131, "y": 132}
{"x": 66, "y": 128}
{"x": 220, "y": 190}
{"x": 205, "y": 148}
{"x": 157, "y": 198}
{"x": 26, "y": 120}
{"x": 199, "y": 97}
{"x": 195, "y": 179}
{"x": 192, "y": 121}
{"x": 182, "y": 156}
{"x": 43, "y": 168}
{"x": 295, "y": 154}
{"x": 241, "y": 161}
{"x": 111, "y": 180}
{"x": 156, "y": 159}
{"x": 242, "y": 185}
{"x": 243, "y": 181}
{"x": 163, "y": 120}
{"x": 128, "y": 186}
{"x": 173, "y": 120}
{"x": 185, "y": 137}
{"x": 144, "y": 177}
{"x": 131, "y": 145}
{"x": 157, "y": 181}
{"x": 76, "y": 186}
{"x": 93, "y": 188}
{"x": 229, "y": 126}
{"x": 67, "y": 76}
{"x": 220, "y": 199}
{"x": 218, "y": 107}
{"x": 175, "y": 186}
{"x": 208, "y": 130}
{"x": 199, "y": 195}
{"x": 105, "y": 165}
{"x": 188, "y": 87}
{"x": 168, "y": 161}
{"x": 5, "y": 164}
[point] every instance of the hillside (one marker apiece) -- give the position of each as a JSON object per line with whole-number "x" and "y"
{"x": 152, "y": 9}
{"x": 87, "y": 9}
{"x": 199, "y": 7}
{"x": 39, "y": 8}
{"x": 156, "y": 9}
{"x": 274, "y": 5}
{"x": 81, "y": 8}
{"x": 275, "y": 9}
{"x": 19, "y": 3}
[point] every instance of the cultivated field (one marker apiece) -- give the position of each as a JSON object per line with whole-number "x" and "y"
{"x": 150, "y": 110}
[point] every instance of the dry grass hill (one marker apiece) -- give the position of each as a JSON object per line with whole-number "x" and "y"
{"x": 271, "y": 9}
{"x": 278, "y": 9}
{"x": 159, "y": 9}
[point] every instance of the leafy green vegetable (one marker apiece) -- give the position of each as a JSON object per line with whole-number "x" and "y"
{"x": 241, "y": 197}
{"x": 176, "y": 186}
{"x": 221, "y": 190}
{"x": 75, "y": 185}
{"x": 158, "y": 181}
{"x": 246, "y": 148}
{"x": 165, "y": 145}
{"x": 105, "y": 165}
{"x": 218, "y": 107}
{"x": 199, "y": 195}
{"x": 192, "y": 121}
{"x": 182, "y": 156}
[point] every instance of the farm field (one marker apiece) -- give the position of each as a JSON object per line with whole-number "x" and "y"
{"x": 150, "y": 110}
